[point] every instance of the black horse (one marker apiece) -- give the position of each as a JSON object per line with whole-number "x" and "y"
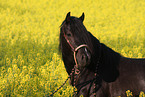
{"x": 103, "y": 72}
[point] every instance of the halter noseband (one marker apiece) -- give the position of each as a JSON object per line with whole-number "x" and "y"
{"x": 76, "y": 49}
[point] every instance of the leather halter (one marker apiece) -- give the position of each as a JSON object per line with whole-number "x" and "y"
{"x": 74, "y": 50}
{"x": 76, "y": 71}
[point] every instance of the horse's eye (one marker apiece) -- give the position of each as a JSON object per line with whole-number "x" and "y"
{"x": 68, "y": 34}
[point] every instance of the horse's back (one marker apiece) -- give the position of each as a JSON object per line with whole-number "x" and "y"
{"x": 131, "y": 77}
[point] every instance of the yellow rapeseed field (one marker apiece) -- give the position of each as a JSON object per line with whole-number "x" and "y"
{"x": 30, "y": 63}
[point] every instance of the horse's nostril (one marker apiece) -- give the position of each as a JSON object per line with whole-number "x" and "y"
{"x": 83, "y": 56}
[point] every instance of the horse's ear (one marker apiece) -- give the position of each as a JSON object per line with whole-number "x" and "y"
{"x": 82, "y": 17}
{"x": 67, "y": 17}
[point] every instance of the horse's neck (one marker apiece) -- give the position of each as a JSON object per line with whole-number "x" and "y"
{"x": 109, "y": 56}
{"x": 109, "y": 62}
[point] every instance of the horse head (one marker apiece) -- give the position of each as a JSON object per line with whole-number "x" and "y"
{"x": 75, "y": 35}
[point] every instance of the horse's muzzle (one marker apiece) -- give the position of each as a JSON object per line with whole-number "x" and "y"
{"x": 83, "y": 57}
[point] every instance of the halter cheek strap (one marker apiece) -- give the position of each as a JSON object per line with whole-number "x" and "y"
{"x": 68, "y": 41}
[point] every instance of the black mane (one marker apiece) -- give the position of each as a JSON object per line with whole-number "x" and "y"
{"x": 108, "y": 62}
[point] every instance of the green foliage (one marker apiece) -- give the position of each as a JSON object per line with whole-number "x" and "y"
{"x": 30, "y": 64}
